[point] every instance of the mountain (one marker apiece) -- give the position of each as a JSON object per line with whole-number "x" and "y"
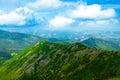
{"x": 62, "y": 61}
{"x": 101, "y": 44}
{"x": 12, "y": 42}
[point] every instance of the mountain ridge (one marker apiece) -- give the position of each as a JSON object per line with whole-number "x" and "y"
{"x": 101, "y": 44}
{"x": 62, "y": 61}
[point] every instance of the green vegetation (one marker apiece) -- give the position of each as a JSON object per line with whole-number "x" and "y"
{"x": 4, "y": 56}
{"x": 101, "y": 44}
{"x": 15, "y": 42}
{"x": 11, "y": 42}
{"x": 62, "y": 61}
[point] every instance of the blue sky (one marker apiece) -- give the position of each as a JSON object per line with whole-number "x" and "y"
{"x": 61, "y": 14}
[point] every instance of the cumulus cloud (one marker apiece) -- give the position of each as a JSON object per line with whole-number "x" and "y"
{"x": 20, "y": 16}
{"x": 92, "y": 12}
{"x": 45, "y": 4}
{"x": 12, "y": 18}
{"x": 60, "y": 22}
{"x": 63, "y": 14}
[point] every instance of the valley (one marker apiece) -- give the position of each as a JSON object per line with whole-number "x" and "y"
{"x": 12, "y": 43}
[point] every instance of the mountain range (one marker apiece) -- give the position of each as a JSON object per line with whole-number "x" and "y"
{"x": 101, "y": 44}
{"x": 62, "y": 61}
{"x": 12, "y": 43}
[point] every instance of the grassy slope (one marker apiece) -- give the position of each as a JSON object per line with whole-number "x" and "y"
{"x": 62, "y": 61}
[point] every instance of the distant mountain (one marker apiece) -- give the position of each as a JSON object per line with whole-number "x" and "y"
{"x": 101, "y": 44}
{"x": 11, "y": 43}
{"x": 62, "y": 61}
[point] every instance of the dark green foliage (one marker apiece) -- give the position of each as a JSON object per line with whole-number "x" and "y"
{"x": 62, "y": 61}
{"x": 4, "y": 56}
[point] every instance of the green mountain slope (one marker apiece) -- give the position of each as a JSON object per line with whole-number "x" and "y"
{"x": 11, "y": 42}
{"x": 101, "y": 44}
{"x": 62, "y": 61}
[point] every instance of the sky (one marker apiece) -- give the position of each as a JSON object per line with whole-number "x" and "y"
{"x": 61, "y": 14}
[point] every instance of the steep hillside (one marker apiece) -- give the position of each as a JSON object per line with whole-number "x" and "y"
{"x": 11, "y": 42}
{"x": 62, "y": 61}
{"x": 101, "y": 44}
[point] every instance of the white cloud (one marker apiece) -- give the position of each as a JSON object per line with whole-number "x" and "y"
{"x": 24, "y": 10}
{"x": 92, "y": 12}
{"x": 20, "y": 16}
{"x": 99, "y": 23}
{"x": 69, "y": 13}
{"x": 107, "y": 22}
{"x": 45, "y": 4}
{"x": 12, "y": 18}
{"x": 60, "y": 22}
